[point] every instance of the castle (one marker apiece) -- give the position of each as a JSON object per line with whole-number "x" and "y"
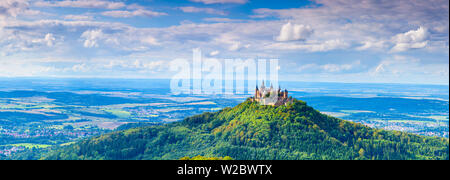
{"x": 270, "y": 96}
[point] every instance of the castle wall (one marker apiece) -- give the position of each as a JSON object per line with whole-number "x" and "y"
{"x": 260, "y": 96}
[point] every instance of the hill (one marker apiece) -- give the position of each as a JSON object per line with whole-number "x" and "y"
{"x": 253, "y": 131}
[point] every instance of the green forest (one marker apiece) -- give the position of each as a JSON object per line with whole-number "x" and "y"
{"x": 251, "y": 131}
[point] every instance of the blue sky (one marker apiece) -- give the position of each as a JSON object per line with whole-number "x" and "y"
{"x": 404, "y": 41}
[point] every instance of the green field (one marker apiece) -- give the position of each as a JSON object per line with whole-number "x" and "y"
{"x": 29, "y": 145}
{"x": 119, "y": 113}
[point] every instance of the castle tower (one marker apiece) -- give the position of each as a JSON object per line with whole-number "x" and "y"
{"x": 262, "y": 95}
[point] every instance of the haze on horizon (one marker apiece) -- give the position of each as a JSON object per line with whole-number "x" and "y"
{"x": 404, "y": 41}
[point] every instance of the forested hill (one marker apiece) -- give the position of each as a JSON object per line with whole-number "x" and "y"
{"x": 252, "y": 131}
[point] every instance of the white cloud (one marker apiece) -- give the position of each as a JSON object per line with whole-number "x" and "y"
{"x": 235, "y": 46}
{"x": 13, "y": 41}
{"x": 340, "y": 67}
{"x": 128, "y": 14}
{"x": 223, "y": 20}
{"x": 214, "y": 53}
{"x": 372, "y": 44}
{"x": 346, "y": 25}
{"x": 117, "y": 37}
{"x": 78, "y": 17}
{"x": 413, "y": 39}
{"x": 329, "y": 45}
{"x": 329, "y": 68}
{"x": 48, "y": 40}
{"x": 92, "y": 37}
{"x": 409, "y": 67}
{"x": 292, "y": 32}
{"x": 221, "y": 1}
{"x": 311, "y": 46}
{"x": 357, "y": 22}
{"x": 69, "y": 26}
{"x": 14, "y": 8}
{"x": 153, "y": 65}
{"x": 136, "y": 64}
{"x": 150, "y": 40}
{"x": 191, "y": 9}
{"x": 101, "y": 4}
{"x": 80, "y": 68}
{"x": 229, "y": 40}
{"x": 17, "y": 68}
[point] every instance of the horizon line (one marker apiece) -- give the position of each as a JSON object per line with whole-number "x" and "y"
{"x": 139, "y": 78}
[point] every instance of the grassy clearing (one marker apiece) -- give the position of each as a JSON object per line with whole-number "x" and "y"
{"x": 119, "y": 113}
{"x": 66, "y": 144}
{"x": 29, "y": 145}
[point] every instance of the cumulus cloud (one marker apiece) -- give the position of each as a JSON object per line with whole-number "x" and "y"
{"x": 92, "y": 37}
{"x": 100, "y": 4}
{"x": 355, "y": 21}
{"x": 293, "y": 32}
{"x": 192, "y": 9}
{"x": 128, "y": 14}
{"x": 13, "y": 41}
{"x": 150, "y": 40}
{"x": 413, "y": 39}
{"x": 331, "y": 25}
{"x": 12, "y": 7}
{"x": 48, "y": 40}
{"x": 372, "y": 43}
{"x": 221, "y": 1}
{"x": 231, "y": 42}
{"x": 213, "y": 53}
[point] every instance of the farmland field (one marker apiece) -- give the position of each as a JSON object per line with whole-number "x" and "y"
{"x": 62, "y": 111}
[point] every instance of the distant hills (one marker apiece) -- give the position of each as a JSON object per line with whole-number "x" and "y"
{"x": 252, "y": 131}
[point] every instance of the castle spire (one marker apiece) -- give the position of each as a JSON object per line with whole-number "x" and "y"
{"x": 262, "y": 94}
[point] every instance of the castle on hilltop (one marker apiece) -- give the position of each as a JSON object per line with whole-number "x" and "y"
{"x": 270, "y": 96}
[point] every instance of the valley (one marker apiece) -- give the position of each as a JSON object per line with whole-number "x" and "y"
{"x": 38, "y": 114}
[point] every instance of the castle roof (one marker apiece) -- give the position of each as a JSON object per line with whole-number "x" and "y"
{"x": 262, "y": 95}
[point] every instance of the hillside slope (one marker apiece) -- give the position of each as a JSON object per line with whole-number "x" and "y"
{"x": 252, "y": 131}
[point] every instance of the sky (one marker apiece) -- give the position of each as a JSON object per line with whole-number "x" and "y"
{"x": 351, "y": 41}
